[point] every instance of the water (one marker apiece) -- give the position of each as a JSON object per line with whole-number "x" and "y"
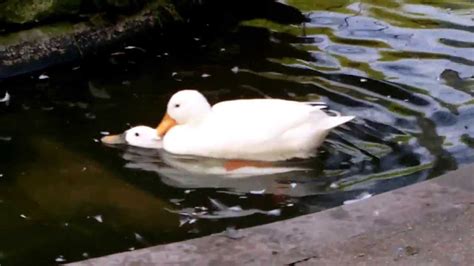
{"x": 404, "y": 68}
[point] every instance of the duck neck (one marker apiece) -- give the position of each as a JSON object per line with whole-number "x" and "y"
{"x": 199, "y": 119}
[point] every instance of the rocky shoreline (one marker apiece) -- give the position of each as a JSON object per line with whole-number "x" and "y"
{"x": 45, "y": 45}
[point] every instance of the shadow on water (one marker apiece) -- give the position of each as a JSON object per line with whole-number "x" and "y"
{"x": 403, "y": 68}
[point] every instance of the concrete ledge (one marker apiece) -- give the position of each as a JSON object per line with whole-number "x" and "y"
{"x": 429, "y": 223}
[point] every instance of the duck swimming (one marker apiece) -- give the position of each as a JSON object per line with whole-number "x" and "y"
{"x": 139, "y": 136}
{"x": 255, "y": 129}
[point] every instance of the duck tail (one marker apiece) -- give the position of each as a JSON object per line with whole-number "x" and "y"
{"x": 331, "y": 122}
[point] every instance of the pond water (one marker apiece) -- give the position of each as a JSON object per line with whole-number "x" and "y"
{"x": 405, "y": 69}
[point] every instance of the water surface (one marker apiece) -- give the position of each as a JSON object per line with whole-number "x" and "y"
{"x": 405, "y": 69}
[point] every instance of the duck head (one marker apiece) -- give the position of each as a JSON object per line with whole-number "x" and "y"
{"x": 184, "y": 107}
{"x": 140, "y": 136}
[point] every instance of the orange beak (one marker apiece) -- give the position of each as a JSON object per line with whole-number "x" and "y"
{"x": 114, "y": 139}
{"x": 166, "y": 124}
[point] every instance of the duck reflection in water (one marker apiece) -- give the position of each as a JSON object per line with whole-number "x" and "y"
{"x": 241, "y": 176}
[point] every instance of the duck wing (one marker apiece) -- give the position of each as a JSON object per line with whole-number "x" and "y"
{"x": 258, "y": 120}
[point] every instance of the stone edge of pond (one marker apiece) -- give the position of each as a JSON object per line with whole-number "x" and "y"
{"x": 407, "y": 223}
{"x": 44, "y": 46}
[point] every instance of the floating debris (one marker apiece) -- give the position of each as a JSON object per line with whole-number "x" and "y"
{"x": 6, "y": 139}
{"x": 138, "y": 237}
{"x": 362, "y": 196}
{"x": 85, "y": 255}
{"x": 176, "y": 201}
{"x": 205, "y": 75}
{"x": 275, "y": 212}
{"x": 47, "y": 108}
{"x": 98, "y": 218}
{"x": 60, "y": 259}
{"x": 235, "y": 69}
{"x": 6, "y": 98}
{"x": 131, "y": 47}
{"x": 96, "y": 140}
{"x": 256, "y": 192}
{"x": 174, "y": 74}
{"x": 90, "y": 116}
{"x": 117, "y": 53}
{"x": 188, "y": 215}
{"x": 183, "y": 219}
{"x": 363, "y": 80}
{"x": 43, "y": 77}
{"x": 187, "y": 191}
{"x": 24, "y": 216}
{"x": 99, "y": 93}
{"x": 105, "y": 133}
{"x": 235, "y": 208}
{"x": 197, "y": 39}
{"x": 293, "y": 185}
{"x": 222, "y": 50}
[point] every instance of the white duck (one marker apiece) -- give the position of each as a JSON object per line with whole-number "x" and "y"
{"x": 182, "y": 166}
{"x": 256, "y": 129}
{"x": 139, "y": 136}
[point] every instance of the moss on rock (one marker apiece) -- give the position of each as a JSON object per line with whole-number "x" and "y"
{"x": 26, "y": 11}
{"x": 55, "y": 43}
{"x": 29, "y": 11}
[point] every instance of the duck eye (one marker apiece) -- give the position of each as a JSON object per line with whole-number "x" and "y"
{"x": 137, "y": 134}
{"x": 176, "y": 105}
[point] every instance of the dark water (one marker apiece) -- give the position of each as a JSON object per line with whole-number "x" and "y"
{"x": 405, "y": 69}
